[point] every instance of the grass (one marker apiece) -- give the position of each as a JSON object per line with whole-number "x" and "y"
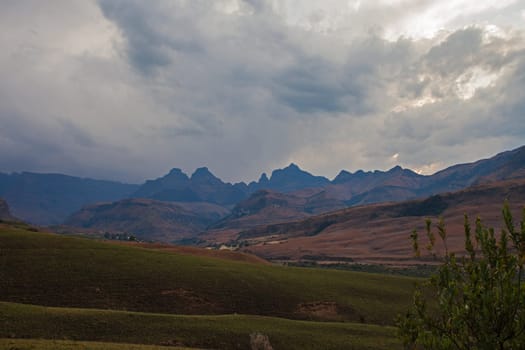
{"x": 46, "y": 344}
{"x": 54, "y": 270}
{"x": 217, "y": 332}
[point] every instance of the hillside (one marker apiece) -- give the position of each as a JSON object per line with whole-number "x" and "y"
{"x": 46, "y": 199}
{"x": 268, "y": 207}
{"x": 225, "y": 332}
{"x": 148, "y": 219}
{"x": 399, "y": 184}
{"x": 376, "y": 233}
{"x": 53, "y": 270}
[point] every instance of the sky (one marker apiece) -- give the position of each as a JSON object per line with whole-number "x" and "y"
{"x": 126, "y": 90}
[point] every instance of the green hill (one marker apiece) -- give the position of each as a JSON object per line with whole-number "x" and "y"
{"x": 95, "y": 291}
{"x": 54, "y": 270}
{"x": 216, "y": 332}
{"x": 45, "y": 344}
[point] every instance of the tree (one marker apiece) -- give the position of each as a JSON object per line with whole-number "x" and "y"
{"x": 477, "y": 298}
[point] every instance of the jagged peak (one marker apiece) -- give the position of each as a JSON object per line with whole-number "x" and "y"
{"x": 396, "y": 168}
{"x": 263, "y": 178}
{"x": 345, "y": 175}
{"x": 405, "y": 171}
{"x": 292, "y": 168}
{"x": 203, "y": 173}
{"x": 176, "y": 171}
{"x": 174, "y": 174}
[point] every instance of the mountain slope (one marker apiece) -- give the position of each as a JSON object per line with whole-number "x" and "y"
{"x": 55, "y": 270}
{"x": 268, "y": 207}
{"x": 46, "y": 199}
{"x": 399, "y": 184}
{"x": 503, "y": 166}
{"x": 148, "y": 219}
{"x": 378, "y": 232}
{"x": 203, "y": 186}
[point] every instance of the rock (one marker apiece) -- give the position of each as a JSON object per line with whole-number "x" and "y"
{"x": 260, "y": 341}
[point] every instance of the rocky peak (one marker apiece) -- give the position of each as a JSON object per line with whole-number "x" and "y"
{"x": 263, "y": 179}
{"x": 293, "y": 178}
{"x": 345, "y": 176}
{"x": 202, "y": 172}
{"x": 176, "y": 172}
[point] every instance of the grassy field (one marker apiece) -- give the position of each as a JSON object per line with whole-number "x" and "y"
{"x": 53, "y": 270}
{"x": 216, "y": 332}
{"x": 43, "y": 344}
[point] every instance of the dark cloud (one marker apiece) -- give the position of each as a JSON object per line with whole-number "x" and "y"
{"x": 312, "y": 86}
{"x": 149, "y": 44}
{"x": 129, "y": 89}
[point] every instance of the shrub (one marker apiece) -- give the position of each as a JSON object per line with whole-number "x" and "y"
{"x": 478, "y": 298}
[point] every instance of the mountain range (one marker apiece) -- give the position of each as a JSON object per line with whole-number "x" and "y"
{"x": 376, "y": 233}
{"x": 177, "y": 206}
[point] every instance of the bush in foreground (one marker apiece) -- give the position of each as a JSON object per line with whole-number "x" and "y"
{"x": 478, "y": 299}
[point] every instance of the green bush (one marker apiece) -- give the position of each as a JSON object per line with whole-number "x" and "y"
{"x": 478, "y": 298}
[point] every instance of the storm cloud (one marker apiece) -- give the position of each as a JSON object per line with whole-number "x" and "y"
{"x": 127, "y": 90}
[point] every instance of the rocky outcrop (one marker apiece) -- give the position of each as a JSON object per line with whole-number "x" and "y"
{"x": 259, "y": 341}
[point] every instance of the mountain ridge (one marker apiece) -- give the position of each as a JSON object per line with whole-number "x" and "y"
{"x": 50, "y": 198}
{"x": 377, "y": 233}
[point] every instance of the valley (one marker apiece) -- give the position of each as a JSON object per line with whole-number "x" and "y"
{"x": 111, "y": 275}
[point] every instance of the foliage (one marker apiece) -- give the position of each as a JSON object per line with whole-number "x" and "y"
{"x": 478, "y": 297}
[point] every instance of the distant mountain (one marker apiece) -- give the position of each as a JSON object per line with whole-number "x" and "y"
{"x": 5, "y": 214}
{"x": 46, "y": 199}
{"x": 203, "y": 186}
{"x": 399, "y": 184}
{"x": 379, "y": 232}
{"x": 148, "y": 219}
{"x": 264, "y": 207}
{"x": 375, "y": 186}
{"x": 268, "y": 207}
{"x": 49, "y": 198}
{"x": 503, "y": 166}
{"x": 289, "y": 179}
